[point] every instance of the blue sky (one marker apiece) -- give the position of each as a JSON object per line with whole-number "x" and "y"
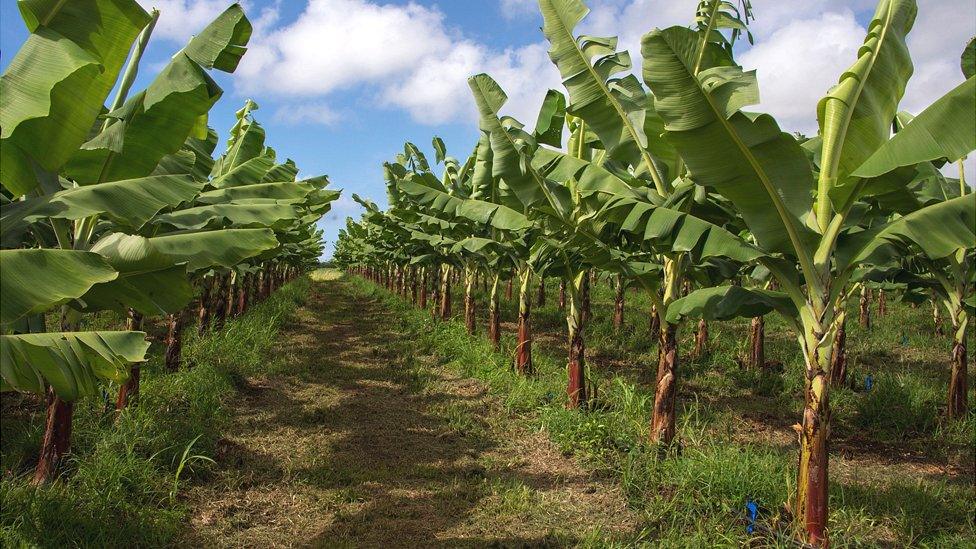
{"x": 343, "y": 83}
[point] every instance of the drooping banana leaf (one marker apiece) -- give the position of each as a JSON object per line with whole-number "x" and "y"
{"x": 728, "y": 302}
{"x": 149, "y": 281}
{"x": 276, "y": 216}
{"x": 35, "y": 280}
{"x": 220, "y": 248}
{"x": 129, "y": 203}
{"x": 72, "y": 363}
{"x": 937, "y": 231}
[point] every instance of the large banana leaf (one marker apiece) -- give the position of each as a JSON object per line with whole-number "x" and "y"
{"x": 149, "y": 281}
{"x": 246, "y": 173}
{"x": 157, "y": 121}
{"x": 220, "y": 248}
{"x": 743, "y": 156}
{"x": 282, "y": 172}
{"x": 287, "y": 191}
{"x": 508, "y": 142}
{"x": 479, "y": 211}
{"x": 855, "y": 116}
{"x": 946, "y": 129}
{"x": 34, "y": 280}
{"x": 72, "y": 363}
{"x": 56, "y": 84}
{"x": 937, "y": 230}
{"x": 728, "y": 302}
{"x": 552, "y": 118}
{"x": 276, "y": 216}
{"x": 128, "y": 203}
{"x": 223, "y": 42}
{"x": 613, "y": 107}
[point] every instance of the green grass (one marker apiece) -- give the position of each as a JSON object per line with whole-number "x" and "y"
{"x": 122, "y": 484}
{"x": 891, "y": 445}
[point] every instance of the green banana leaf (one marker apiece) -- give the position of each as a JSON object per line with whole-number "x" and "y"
{"x": 946, "y": 129}
{"x": 728, "y": 302}
{"x": 743, "y": 156}
{"x": 276, "y": 216}
{"x": 35, "y": 280}
{"x": 149, "y": 280}
{"x": 72, "y": 363}
{"x": 855, "y": 116}
{"x": 128, "y": 203}
{"x": 56, "y": 84}
{"x": 937, "y": 230}
{"x": 219, "y": 248}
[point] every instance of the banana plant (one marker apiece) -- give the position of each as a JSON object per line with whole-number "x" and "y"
{"x": 60, "y": 177}
{"x": 622, "y": 116}
{"x": 802, "y": 224}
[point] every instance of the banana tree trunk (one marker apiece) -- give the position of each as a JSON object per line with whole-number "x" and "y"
{"x": 585, "y": 298}
{"x": 937, "y": 318}
{"x": 435, "y": 298}
{"x": 174, "y": 341}
{"x": 220, "y": 305}
{"x": 865, "y": 308}
{"x": 814, "y": 434}
{"x": 882, "y": 303}
{"x": 57, "y": 438}
{"x": 422, "y": 295}
{"x": 757, "y": 354}
{"x": 562, "y": 294}
{"x": 445, "y": 292}
{"x": 203, "y": 314}
{"x": 838, "y": 357}
{"x": 232, "y": 289}
{"x": 541, "y": 295}
{"x": 413, "y": 285}
{"x": 618, "y": 304}
{"x": 959, "y": 377}
{"x": 523, "y": 351}
{"x": 655, "y": 322}
{"x": 57, "y": 427}
{"x": 242, "y": 294}
{"x": 701, "y": 339}
{"x": 129, "y": 391}
{"x": 663, "y": 421}
{"x": 494, "y": 325}
{"x": 469, "y": 302}
{"x": 576, "y": 363}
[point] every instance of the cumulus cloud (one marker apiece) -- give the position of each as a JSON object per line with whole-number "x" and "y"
{"x": 307, "y": 113}
{"x": 406, "y": 56}
{"x": 799, "y": 62}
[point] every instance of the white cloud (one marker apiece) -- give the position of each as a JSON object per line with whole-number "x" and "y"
{"x": 512, "y": 9}
{"x": 404, "y": 55}
{"x": 799, "y": 62}
{"x": 307, "y": 113}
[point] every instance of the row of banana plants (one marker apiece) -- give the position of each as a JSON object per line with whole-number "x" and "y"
{"x": 670, "y": 185}
{"x": 120, "y": 206}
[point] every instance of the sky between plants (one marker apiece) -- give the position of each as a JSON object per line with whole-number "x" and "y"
{"x": 343, "y": 83}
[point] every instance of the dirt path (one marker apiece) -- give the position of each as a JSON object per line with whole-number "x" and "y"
{"x": 349, "y": 445}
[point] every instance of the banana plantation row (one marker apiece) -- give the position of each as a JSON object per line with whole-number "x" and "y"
{"x": 676, "y": 187}
{"x": 123, "y": 207}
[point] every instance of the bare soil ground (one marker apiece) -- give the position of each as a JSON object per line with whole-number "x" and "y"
{"x": 347, "y": 444}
